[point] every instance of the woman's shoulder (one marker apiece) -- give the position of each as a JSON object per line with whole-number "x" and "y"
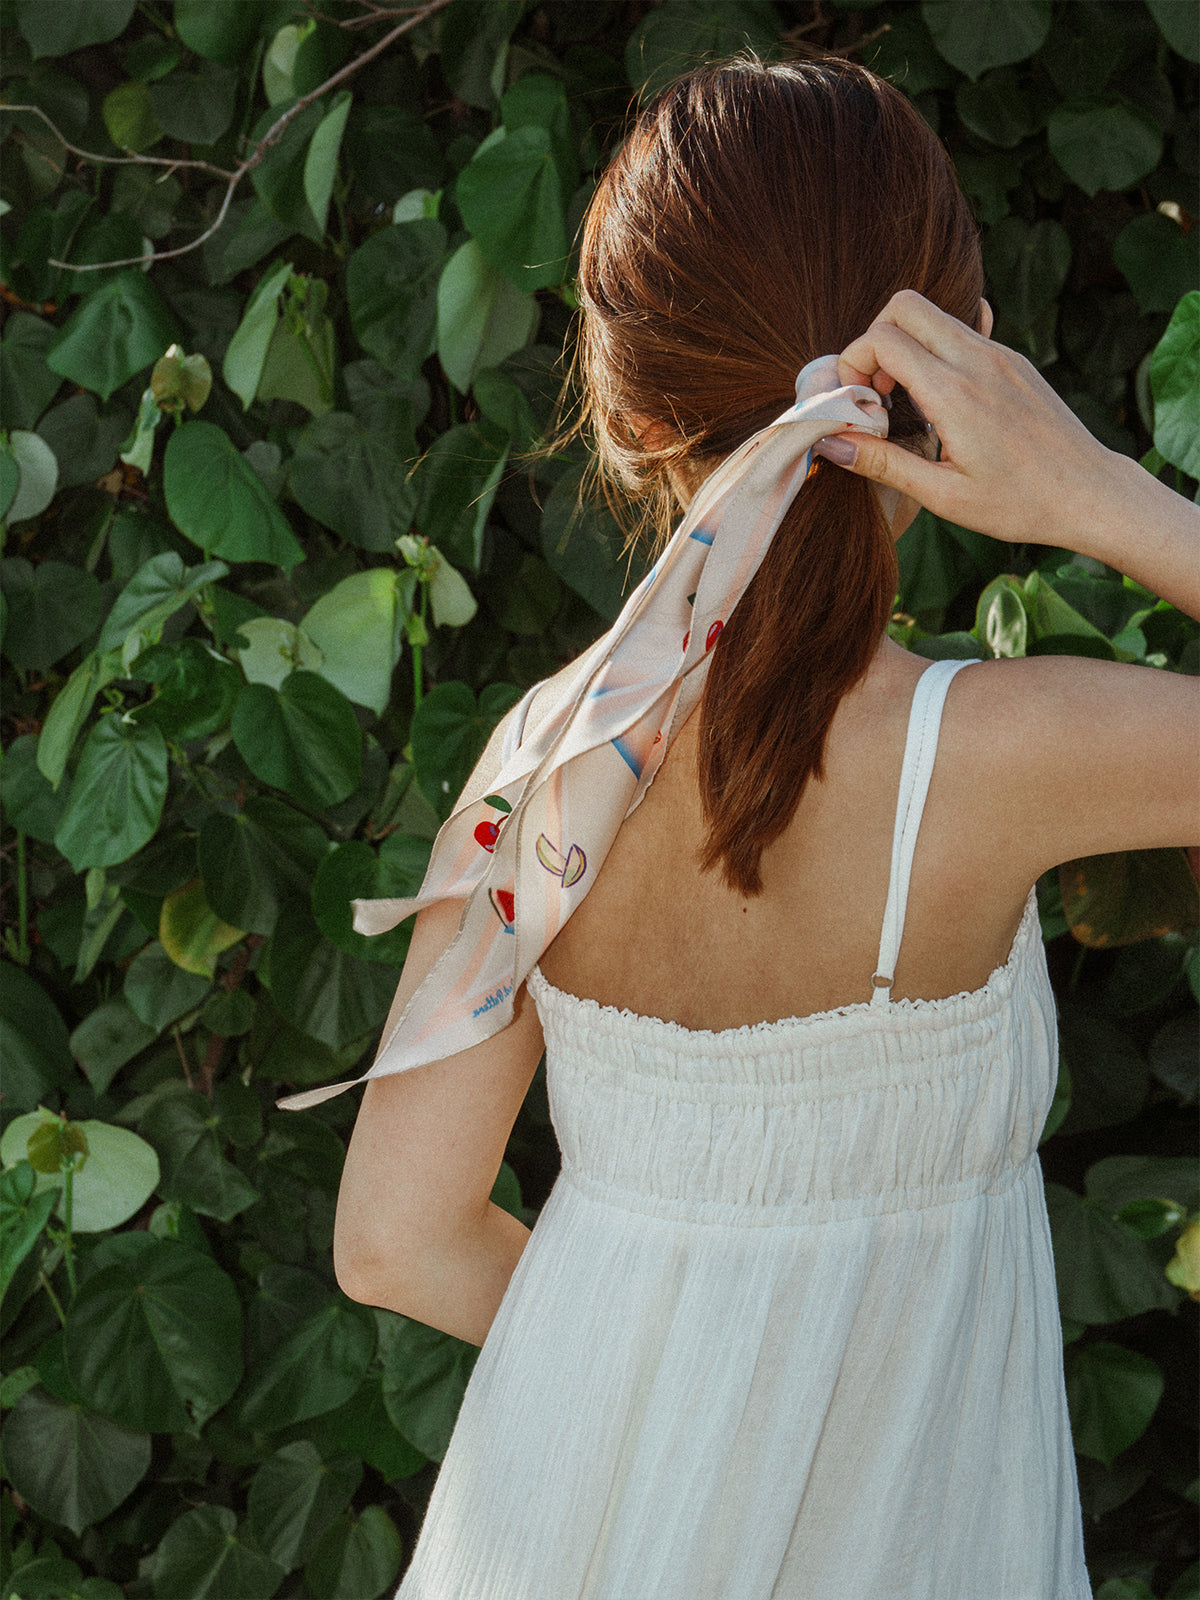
{"x": 1076, "y": 756}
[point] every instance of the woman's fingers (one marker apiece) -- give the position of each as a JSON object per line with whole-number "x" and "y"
{"x": 888, "y": 464}
{"x": 1015, "y": 463}
{"x": 905, "y": 337}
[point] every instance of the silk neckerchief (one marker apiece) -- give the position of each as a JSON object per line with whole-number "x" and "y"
{"x": 523, "y": 865}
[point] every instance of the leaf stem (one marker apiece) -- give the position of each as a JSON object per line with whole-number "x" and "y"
{"x": 418, "y": 651}
{"x": 67, "y": 1238}
{"x": 22, "y": 951}
{"x": 54, "y": 1300}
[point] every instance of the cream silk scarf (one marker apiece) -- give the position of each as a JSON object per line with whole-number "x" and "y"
{"x": 522, "y": 850}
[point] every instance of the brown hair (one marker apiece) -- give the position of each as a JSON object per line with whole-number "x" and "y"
{"x": 759, "y": 216}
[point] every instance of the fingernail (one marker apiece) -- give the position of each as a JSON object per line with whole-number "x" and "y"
{"x": 837, "y": 448}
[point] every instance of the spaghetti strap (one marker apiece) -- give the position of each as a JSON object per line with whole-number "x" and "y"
{"x": 920, "y": 749}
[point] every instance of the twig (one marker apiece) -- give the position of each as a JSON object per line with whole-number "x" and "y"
{"x": 864, "y": 41}
{"x": 272, "y": 136}
{"x": 132, "y": 159}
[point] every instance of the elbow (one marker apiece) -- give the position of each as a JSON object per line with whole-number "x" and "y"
{"x": 368, "y": 1269}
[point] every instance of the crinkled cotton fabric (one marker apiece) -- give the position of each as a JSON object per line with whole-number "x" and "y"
{"x": 786, "y": 1328}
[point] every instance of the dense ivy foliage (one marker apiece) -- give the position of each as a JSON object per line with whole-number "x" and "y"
{"x": 276, "y": 560}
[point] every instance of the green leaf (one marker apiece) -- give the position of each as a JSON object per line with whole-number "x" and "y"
{"x": 320, "y": 163}
{"x": 1175, "y": 385}
{"x": 220, "y": 503}
{"x": 192, "y": 934}
{"x": 511, "y": 198}
{"x": 195, "y": 103}
{"x": 229, "y": 1013}
{"x": 33, "y": 1040}
{"x": 114, "y": 1182}
{"x": 294, "y": 1496}
{"x": 317, "y": 1367}
{"x": 1104, "y": 1272}
{"x": 1001, "y": 621}
{"x": 1103, "y": 144}
{"x": 280, "y": 61}
{"x": 450, "y": 598}
{"x": 117, "y": 796}
{"x": 425, "y": 1375}
{"x": 116, "y": 332}
{"x": 326, "y": 993}
{"x": 503, "y": 403}
{"x": 540, "y": 101}
{"x": 1177, "y": 21}
{"x": 157, "y": 590}
{"x": 84, "y": 440}
{"x": 1112, "y": 1394}
{"x": 158, "y": 991}
{"x": 29, "y": 802}
{"x": 457, "y": 483}
{"x": 1027, "y": 265}
{"x": 1160, "y": 261}
{"x": 196, "y": 688}
{"x": 27, "y": 384}
{"x": 279, "y": 178}
{"x": 23, "y": 1215}
{"x": 303, "y": 738}
{"x": 247, "y": 350}
{"x": 363, "y": 1427}
{"x": 257, "y": 860}
{"x": 392, "y": 289}
{"x": 129, "y": 118}
{"x": 38, "y": 475}
{"x": 300, "y": 364}
{"x": 449, "y": 731}
{"x": 219, "y": 33}
{"x": 69, "y": 712}
{"x": 974, "y": 38}
{"x": 482, "y": 318}
{"x": 71, "y": 1465}
{"x": 107, "y": 1038}
{"x": 582, "y": 544}
{"x": 996, "y": 109}
{"x": 354, "y": 478}
{"x": 353, "y": 871}
{"x": 269, "y": 650}
{"x": 52, "y": 608}
{"x": 679, "y": 34}
{"x": 61, "y": 30}
{"x": 1117, "y": 1181}
{"x": 474, "y": 47}
{"x": 206, "y": 1555}
{"x": 357, "y": 626}
{"x": 357, "y": 1557}
{"x": 187, "y": 1133}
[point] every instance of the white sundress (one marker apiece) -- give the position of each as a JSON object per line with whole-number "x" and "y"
{"x": 786, "y": 1328}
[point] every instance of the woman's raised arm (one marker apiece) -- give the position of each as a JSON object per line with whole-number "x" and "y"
{"x": 1016, "y": 463}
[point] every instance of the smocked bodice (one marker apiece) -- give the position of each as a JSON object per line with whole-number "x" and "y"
{"x": 845, "y": 1113}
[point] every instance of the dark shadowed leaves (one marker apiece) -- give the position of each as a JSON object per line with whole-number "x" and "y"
{"x": 71, "y": 1465}
{"x": 154, "y": 1339}
{"x": 314, "y": 1369}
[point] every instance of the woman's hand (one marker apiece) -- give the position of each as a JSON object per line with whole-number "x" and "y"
{"x": 1015, "y": 461}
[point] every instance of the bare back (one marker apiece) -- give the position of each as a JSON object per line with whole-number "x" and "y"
{"x": 659, "y": 937}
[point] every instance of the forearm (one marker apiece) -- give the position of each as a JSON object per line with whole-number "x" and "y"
{"x": 454, "y": 1282}
{"x": 1145, "y": 531}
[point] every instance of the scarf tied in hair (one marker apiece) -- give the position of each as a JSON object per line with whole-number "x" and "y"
{"x": 521, "y": 850}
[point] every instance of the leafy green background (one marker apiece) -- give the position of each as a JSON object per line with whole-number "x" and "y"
{"x": 265, "y": 595}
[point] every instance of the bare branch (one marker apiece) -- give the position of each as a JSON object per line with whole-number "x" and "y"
{"x": 132, "y": 159}
{"x": 259, "y": 149}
